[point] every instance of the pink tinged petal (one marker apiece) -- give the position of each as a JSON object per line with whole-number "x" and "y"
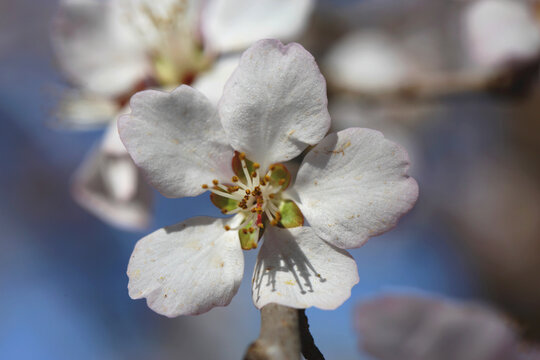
{"x": 296, "y": 268}
{"x": 96, "y": 47}
{"x": 177, "y": 140}
{"x": 232, "y": 25}
{"x": 187, "y": 268}
{"x": 354, "y": 185}
{"x": 499, "y": 31}
{"x": 275, "y": 105}
{"x": 406, "y": 327}
{"x": 110, "y": 186}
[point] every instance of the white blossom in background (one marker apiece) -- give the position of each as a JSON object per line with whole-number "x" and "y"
{"x": 397, "y": 327}
{"x": 111, "y": 49}
{"x": 368, "y": 61}
{"x": 501, "y": 31}
{"x": 350, "y": 186}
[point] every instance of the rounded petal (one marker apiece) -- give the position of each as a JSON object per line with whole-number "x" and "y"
{"x": 177, "y": 140}
{"x": 187, "y": 268}
{"x": 499, "y": 31}
{"x": 413, "y": 327}
{"x": 96, "y": 47}
{"x": 110, "y": 186}
{"x": 296, "y": 268}
{"x": 275, "y": 105}
{"x": 354, "y": 185}
{"x": 212, "y": 82}
{"x": 232, "y": 25}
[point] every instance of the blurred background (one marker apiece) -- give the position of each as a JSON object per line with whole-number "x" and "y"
{"x": 468, "y": 117}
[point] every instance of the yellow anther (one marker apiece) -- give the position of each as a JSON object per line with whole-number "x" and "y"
{"x": 251, "y": 230}
{"x": 267, "y": 177}
{"x": 215, "y": 182}
{"x": 281, "y": 181}
{"x": 272, "y": 167}
{"x": 271, "y": 196}
{"x": 242, "y": 156}
{"x": 261, "y": 225}
{"x": 273, "y": 222}
{"x": 248, "y": 191}
{"x": 278, "y": 215}
{"x": 256, "y": 165}
{"x": 227, "y": 227}
{"x": 204, "y": 186}
{"x": 253, "y": 210}
{"x": 244, "y": 231}
{"x": 224, "y": 211}
{"x": 234, "y": 178}
{"x": 263, "y": 183}
{"x": 254, "y": 174}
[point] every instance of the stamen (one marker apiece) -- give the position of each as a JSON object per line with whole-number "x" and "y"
{"x": 215, "y": 182}
{"x": 227, "y": 227}
{"x": 256, "y": 165}
{"x": 267, "y": 177}
{"x": 226, "y": 194}
{"x": 235, "y": 178}
{"x": 204, "y": 186}
{"x": 281, "y": 181}
{"x": 242, "y": 155}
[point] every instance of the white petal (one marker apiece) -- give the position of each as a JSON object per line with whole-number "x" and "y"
{"x": 412, "y": 327}
{"x": 354, "y": 185}
{"x": 212, "y": 82}
{"x": 187, "y": 268}
{"x": 96, "y": 47}
{"x": 274, "y": 105}
{"x": 177, "y": 140}
{"x": 296, "y": 268}
{"x": 111, "y": 187}
{"x": 366, "y": 61}
{"x": 232, "y": 25}
{"x": 80, "y": 111}
{"x": 499, "y": 31}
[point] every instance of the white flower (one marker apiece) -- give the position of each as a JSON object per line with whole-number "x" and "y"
{"x": 500, "y": 31}
{"x": 112, "y": 49}
{"x": 352, "y": 185}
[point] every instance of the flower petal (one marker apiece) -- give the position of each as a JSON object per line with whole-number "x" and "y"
{"x": 212, "y": 82}
{"x": 96, "y": 47}
{"x": 413, "y": 327}
{"x": 111, "y": 187}
{"x": 187, "y": 268}
{"x": 80, "y": 110}
{"x": 354, "y": 185}
{"x": 232, "y": 25}
{"x": 296, "y": 268}
{"x": 274, "y": 105}
{"x": 177, "y": 140}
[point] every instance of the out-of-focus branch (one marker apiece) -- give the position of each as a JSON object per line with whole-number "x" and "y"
{"x": 514, "y": 79}
{"x": 279, "y": 338}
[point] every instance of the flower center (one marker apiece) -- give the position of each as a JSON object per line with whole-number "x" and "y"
{"x": 258, "y": 197}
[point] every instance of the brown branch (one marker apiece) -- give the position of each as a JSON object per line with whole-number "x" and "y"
{"x": 279, "y": 338}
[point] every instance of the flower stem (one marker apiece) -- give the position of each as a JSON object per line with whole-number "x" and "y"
{"x": 284, "y": 335}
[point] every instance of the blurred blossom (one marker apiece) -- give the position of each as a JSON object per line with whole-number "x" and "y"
{"x": 111, "y": 49}
{"x": 501, "y": 31}
{"x": 368, "y": 62}
{"x": 273, "y": 107}
{"x": 395, "y": 327}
